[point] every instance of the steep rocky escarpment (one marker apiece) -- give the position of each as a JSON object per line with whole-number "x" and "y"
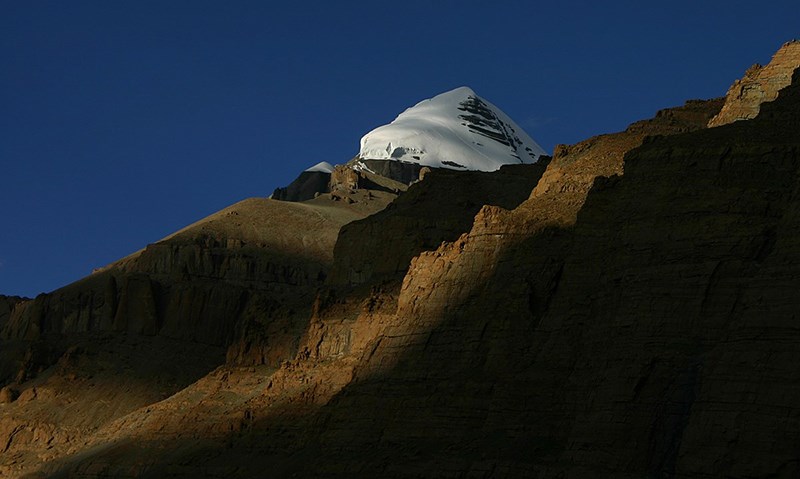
{"x": 759, "y": 85}
{"x": 196, "y": 283}
{"x": 147, "y": 326}
{"x": 670, "y": 311}
{"x": 508, "y": 187}
{"x": 305, "y": 187}
{"x": 659, "y": 345}
{"x": 440, "y": 380}
{"x": 440, "y": 208}
{"x": 400, "y": 171}
{"x": 633, "y": 317}
{"x": 448, "y": 382}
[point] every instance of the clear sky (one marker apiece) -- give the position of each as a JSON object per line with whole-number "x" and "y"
{"x": 121, "y": 122}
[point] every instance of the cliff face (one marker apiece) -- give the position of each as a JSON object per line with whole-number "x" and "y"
{"x": 759, "y": 85}
{"x": 649, "y": 335}
{"x": 7, "y": 304}
{"x": 196, "y": 283}
{"x": 633, "y": 317}
{"x": 469, "y": 374}
{"x": 244, "y": 278}
{"x": 305, "y": 187}
{"x": 149, "y": 325}
{"x": 633, "y": 343}
{"x": 670, "y": 312}
{"x": 379, "y": 248}
{"x": 454, "y": 373}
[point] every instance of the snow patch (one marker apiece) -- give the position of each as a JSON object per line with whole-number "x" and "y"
{"x": 361, "y": 166}
{"x": 322, "y": 166}
{"x": 457, "y": 130}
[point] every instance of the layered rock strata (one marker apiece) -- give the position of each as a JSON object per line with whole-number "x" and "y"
{"x": 149, "y": 325}
{"x": 760, "y": 84}
{"x": 196, "y": 283}
{"x": 439, "y": 378}
{"x": 634, "y": 317}
{"x": 646, "y": 333}
{"x": 442, "y": 207}
{"x": 650, "y": 336}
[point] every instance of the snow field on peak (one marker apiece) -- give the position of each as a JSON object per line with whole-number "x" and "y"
{"x": 457, "y": 130}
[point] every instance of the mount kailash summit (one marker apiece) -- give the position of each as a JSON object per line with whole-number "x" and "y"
{"x": 456, "y": 130}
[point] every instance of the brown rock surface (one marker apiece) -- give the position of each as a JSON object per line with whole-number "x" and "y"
{"x": 399, "y": 171}
{"x": 149, "y": 325}
{"x": 759, "y": 85}
{"x": 8, "y": 394}
{"x": 635, "y": 343}
{"x": 438, "y": 381}
{"x": 197, "y": 283}
{"x": 379, "y": 248}
{"x": 97, "y": 378}
{"x": 634, "y": 317}
{"x": 305, "y": 187}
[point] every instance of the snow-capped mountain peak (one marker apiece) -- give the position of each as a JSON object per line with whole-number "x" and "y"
{"x": 456, "y": 129}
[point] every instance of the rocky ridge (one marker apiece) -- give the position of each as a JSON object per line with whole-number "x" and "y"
{"x": 379, "y": 248}
{"x": 760, "y": 84}
{"x": 162, "y": 318}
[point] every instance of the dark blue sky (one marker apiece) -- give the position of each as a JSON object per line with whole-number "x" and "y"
{"x": 125, "y": 121}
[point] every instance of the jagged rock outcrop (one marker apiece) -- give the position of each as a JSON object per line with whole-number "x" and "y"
{"x": 379, "y": 248}
{"x": 759, "y": 85}
{"x": 351, "y": 177}
{"x": 400, "y": 171}
{"x": 305, "y": 187}
{"x": 344, "y": 179}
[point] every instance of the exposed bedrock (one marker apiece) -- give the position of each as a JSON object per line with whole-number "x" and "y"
{"x": 634, "y": 315}
{"x": 655, "y": 337}
{"x": 759, "y": 84}
{"x": 440, "y": 208}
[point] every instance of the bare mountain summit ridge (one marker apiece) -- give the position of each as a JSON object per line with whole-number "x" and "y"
{"x": 760, "y": 84}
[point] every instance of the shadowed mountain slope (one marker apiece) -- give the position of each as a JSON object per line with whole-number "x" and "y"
{"x": 633, "y": 317}
{"x": 438, "y": 380}
{"x": 242, "y": 279}
{"x": 145, "y": 327}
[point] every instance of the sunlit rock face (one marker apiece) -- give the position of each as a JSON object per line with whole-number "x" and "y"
{"x": 760, "y": 84}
